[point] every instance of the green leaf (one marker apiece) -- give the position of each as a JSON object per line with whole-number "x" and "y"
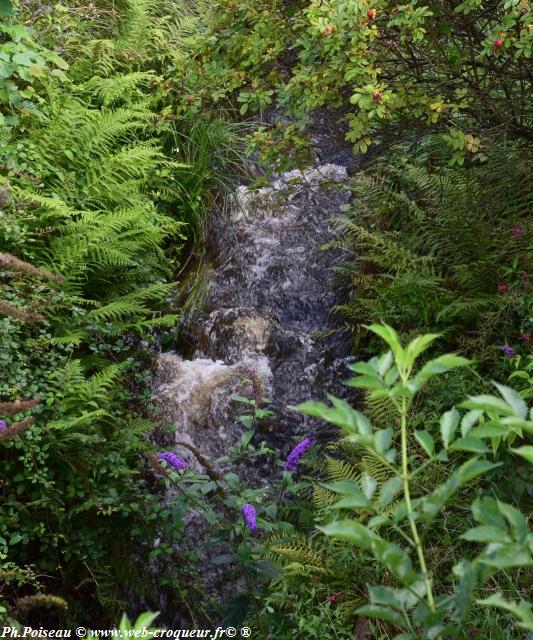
{"x": 449, "y": 422}
{"x": 425, "y": 440}
{"x": 513, "y": 400}
{"x": 489, "y": 403}
{"x": 353, "y": 502}
{"x": 486, "y": 533}
{"x": 351, "y": 531}
{"x": 474, "y": 468}
{"x": 521, "y": 610}
{"x": 388, "y": 491}
{"x": 489, "y": 430}
{"x": 369, "y": 485}
{"x": 418, "y": 346}
{"x": 381, "y": 613}
{"x": 389, "y": 335}
{"x": 526, "y": 452}
{"x": 473, "y": 445}
{"x": 439, "y": 365}
{"x": 383, "y": 439}
{"x": 516, "y": 519}
{"x": 351, "y": 489}
{"x": 469, "y": 420}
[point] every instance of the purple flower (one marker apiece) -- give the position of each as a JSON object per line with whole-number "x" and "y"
{"x": 296, "y": 454}
{"x": 3, "y": 425}
{"x": 173, "y": 460}
{"x": 502, "y": 287}
{"x": 250, "y": 517}
{"x": 517, "y": 230}
{"x": 507, "y": 350}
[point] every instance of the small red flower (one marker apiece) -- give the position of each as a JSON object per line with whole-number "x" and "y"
{"x": 333, "y": 597}
{"x": 526, "y": 337}
{"x": 498, "y": 43}
{"x": 377, "y": 96}
{"x": 502, "y": 287}
{"x": 371, "y": 14}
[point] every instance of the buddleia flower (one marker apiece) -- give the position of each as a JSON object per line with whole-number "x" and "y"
{"x": 177, "y": 463}
{"x": 296, "y": 454}
{"x": 250, "y": 516}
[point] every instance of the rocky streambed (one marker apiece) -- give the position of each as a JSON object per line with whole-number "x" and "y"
{"x": 270, "y": 297}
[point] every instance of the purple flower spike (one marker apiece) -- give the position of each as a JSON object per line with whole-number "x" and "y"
{"x": 296, "y": 454}
{"x": 173, "y": 460}
{"x": 507, "y": 350}
{"x": 3, "y": 425}
{"x": 250, "y": 517}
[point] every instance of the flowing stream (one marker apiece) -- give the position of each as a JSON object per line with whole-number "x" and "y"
{"x": 268, "y": 319}
{"x": 271, "y": 297}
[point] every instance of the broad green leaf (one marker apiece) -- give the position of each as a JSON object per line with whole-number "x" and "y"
{"x": 469, "y": 420}
{"x": 342, "y": 414}
{"x": 389, "y": 335}
{"x": 353, "y": 502}
{"x": 425, "y": 440}
{"x": 474, "y": 468}
{"x": 513, "y": 400}
{"x": 473, "y": 445}
{"x": 516, "y": 519}
{"x": 489, "y": 430}
{"x": 439, "y": 365}
{"x": 388, "y": 491}
{"x": 369, "y": 485}
{"x": 506, "y": 556}
{"x": 383, "y": 440}
{"x": 521, "y": 610}
{"x": 344, "y": 487}
{"x": 351, "y": 531}
{"x": 486, "y": 533}
{"x": 365, "y": 382}
{"x": 418, "y": 346}
{"x": 488, "y": 403}
{"x": 526, "y": 452}
{"x": 449, "y": 422}
{"x": 486, "y": 511}
{"x": 471, "y": 469}
{"x": 385, "y": 363}
{"x": 381, "y": 613}
{"x": 464, "y": 588}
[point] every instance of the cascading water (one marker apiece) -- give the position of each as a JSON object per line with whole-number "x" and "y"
{"x": 271, "y": 297}
{"x": 270, "y": 301}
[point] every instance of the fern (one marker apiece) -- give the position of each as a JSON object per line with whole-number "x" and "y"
{"x": 432, "y": 244}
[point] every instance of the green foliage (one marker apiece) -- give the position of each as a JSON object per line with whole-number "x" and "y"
{"x": 94, "y": 191}
{"x": 415, "y": 227}
{"x": 460, "y": 67}
{"x": 416, "y": 593}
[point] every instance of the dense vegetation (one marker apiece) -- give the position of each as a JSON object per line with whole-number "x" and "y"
{"x": 112, "y": 149}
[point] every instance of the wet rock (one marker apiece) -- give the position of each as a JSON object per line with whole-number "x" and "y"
{"x": 196, "y": 397}
{"x": 233, "y": 333}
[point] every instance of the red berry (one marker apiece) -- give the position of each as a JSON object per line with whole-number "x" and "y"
{"x": 371, "y": 14}
{"x": 499, "y": 43}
